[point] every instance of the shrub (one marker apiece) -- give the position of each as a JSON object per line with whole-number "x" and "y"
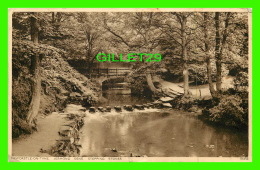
{"x": 139, "y": 86}
{"x": 229, "y": 112}
{"x": 241, "y": 82}
{"x": 183, "y": 102}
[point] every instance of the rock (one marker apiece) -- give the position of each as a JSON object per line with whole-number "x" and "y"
{"x": 108, "y": 109}
{"x": 128, "y": 108}
{"x": 166, "y": 99}
{"x": 150, "y": 105}
{"x": 92, "y": 109}
{"x": 146, "y": 106}
{"x": 65, "y": 131}
{"x": 118, "y": 108}
{"x": 139, "y": 107}
{"x": 167, "y": 105}
{"x": 157, "y": 104}
{"x": 101, "y": 109}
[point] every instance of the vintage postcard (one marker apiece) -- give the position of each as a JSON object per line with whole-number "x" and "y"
{"x": 130, "y": 85}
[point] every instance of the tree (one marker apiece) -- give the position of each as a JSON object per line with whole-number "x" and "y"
{"x": 180, "y": 34}
{"x": 207, "y": 52}
{"x": 35, "y": 71}
{"x": 221, "y": 39}
{"x": 140, "y": 34}
{"x": 90, "y": 27}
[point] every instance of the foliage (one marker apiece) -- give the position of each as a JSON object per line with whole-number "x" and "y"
{"x": 184, "y": 102}
{"x": 241, "y": 81}
{"x": 229, "y": 112}
{"x": 58, "y": 80}
{"x": 198, "y": 72}
{"x": 139, "y": 86}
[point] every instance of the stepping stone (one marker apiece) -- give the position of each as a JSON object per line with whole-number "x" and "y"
{"x": 128, "y": 108}
{"x": 139, "y": 107}
{"x": 65, "y": 131}
{"x": 118, "y": 108}
{"x": 108, "y": 109}
{"x": 101, "y": 109}
{"x": 92, "y": 109}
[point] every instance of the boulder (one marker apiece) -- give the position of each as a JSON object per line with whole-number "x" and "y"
{"x": 128, "y": 108}
{"x": 139, "y": 107}
{"x": 166, "y": 99}
{"x": 108, "y": 109}
{"x": 167, "y": 105}
{"x": 118, "y": 108}
{"x": 101, "y": 109}
{"x": 92, "y": 109}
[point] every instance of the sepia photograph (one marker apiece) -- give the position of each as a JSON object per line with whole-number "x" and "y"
{"x": 130, "y": 85}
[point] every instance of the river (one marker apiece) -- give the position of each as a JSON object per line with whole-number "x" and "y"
{"x": 156, "y": 133}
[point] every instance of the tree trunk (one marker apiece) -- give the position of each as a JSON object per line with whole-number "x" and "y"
{"x": 35, "y": 70}
{"x": 186, "y": 79}
{"x": 207, "y": 48}
{"x": 218, "y": 53}
{"x": 209, "y": 73}
{"x": 185, "y": 57}
{"x": 150, "y": 82}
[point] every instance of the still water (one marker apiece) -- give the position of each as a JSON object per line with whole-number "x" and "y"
{"x": 157, "y": 133}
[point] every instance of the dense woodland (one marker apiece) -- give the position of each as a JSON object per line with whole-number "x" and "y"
{"x": 198, "y": 47}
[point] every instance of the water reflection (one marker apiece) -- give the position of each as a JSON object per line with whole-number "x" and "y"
{"x": 158, "y": 134}
{"x": 120, "y": 97}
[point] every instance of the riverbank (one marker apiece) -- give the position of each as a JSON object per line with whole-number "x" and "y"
{"x": 60, "y": 85}
{"x": 50, "y": 131}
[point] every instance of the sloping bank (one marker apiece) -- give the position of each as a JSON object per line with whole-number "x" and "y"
{"x": 60, "y": 84}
